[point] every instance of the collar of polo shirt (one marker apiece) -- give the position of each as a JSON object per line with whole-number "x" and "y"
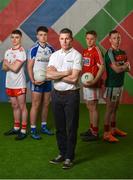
{"x": 62, "y": 50}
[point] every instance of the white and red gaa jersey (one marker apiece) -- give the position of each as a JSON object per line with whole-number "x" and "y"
{"x": 15, "y": 80}
{"x": 92, "y": 57}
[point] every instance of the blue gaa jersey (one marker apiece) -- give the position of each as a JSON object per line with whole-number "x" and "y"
{"x": 40, "y": 55}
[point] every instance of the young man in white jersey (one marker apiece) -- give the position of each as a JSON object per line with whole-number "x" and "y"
{"x": 13, "y": 64}
{"x": 38, "y": 58}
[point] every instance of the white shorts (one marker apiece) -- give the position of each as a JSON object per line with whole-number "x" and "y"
{"x": 114, "y": 93}
{"x": 91, "y": 94}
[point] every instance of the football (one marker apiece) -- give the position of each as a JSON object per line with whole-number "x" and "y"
{"x": 87, "y": 77}
{"x": 40, "y": 75}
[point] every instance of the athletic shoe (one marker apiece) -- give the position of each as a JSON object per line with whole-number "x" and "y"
{"x": 21, "y": 136}
{"x": 67, "y": 164}
{"x": 57, "y": 160}
{"x": 46, "y": 131}
{"x": 12, "y": 132}
{"x": 109, "y": 137}
{"x": 87, "y": 133}
{"x": 90, "y": 137}
{"x": 35, "y": 136}
{"x": 118, "y": 132}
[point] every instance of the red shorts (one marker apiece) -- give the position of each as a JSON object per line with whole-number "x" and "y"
{"x": 15, "y": 92}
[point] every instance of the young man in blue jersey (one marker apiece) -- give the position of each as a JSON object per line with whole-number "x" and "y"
{"x": 38, "y": 58}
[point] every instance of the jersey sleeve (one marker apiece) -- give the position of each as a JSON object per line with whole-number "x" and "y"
{"x": 111, "y": 56}
{"x": 98, "y": 56}
{"x": 21, "y": 55}
{"x": 78, "y": 62}
{"x": 107, "y": 60}
{"x": 52, "y": 49}
{"x": 32, "y": 53}
{"x": 52, "y": 60}
{"x": 6, "y": 55}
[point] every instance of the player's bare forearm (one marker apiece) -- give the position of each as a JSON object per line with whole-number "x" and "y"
{"x": 5, "y": 67}
{"x": 30, "y": 70}
{"x": 53, "y": 74}
{"x": 15, "y": 67}
{"x": 73, "y": 78}
{"x": 97, "y": 77}
{"x": 31, "y": 76}
{"x": 120, "y": 68}
{"x": 128, "y": 67}
{"x": 99, "y": 73}
{"x": 70, "y": 79}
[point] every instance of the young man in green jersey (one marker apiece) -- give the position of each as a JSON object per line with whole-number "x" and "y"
{"x": 116, "y": 65}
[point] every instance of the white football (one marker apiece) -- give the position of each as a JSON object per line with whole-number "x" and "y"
{"x": 40, "y": 75}
{"x": 86, "y": 77}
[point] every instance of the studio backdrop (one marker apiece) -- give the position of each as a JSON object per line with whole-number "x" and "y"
{"x": 78, "y": 15}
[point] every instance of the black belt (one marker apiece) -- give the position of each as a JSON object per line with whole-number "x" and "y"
{"x": 66, "y": 92}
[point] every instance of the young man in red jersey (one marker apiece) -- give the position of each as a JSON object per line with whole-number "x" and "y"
{"x": 93, "y": 63}
{"x": 13, "y": 64}
{"x": 116, "y": 66}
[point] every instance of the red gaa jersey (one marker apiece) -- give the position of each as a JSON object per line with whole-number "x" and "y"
{"x": 92, "y": 58}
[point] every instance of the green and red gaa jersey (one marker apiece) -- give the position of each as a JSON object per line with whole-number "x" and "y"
{"x": 114, "y": 79}
{"x": 92, "y": 58}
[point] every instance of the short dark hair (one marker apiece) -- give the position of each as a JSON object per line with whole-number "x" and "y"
{"x": 113, "y": 32}
{"x": 17, "y": 31}
{"x": 42, "y": 28}
{"x": 91, "y": 32}
{"x": 66, "y": 31}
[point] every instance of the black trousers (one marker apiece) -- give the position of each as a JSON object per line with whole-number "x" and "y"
{"x": 66, "y": 113}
